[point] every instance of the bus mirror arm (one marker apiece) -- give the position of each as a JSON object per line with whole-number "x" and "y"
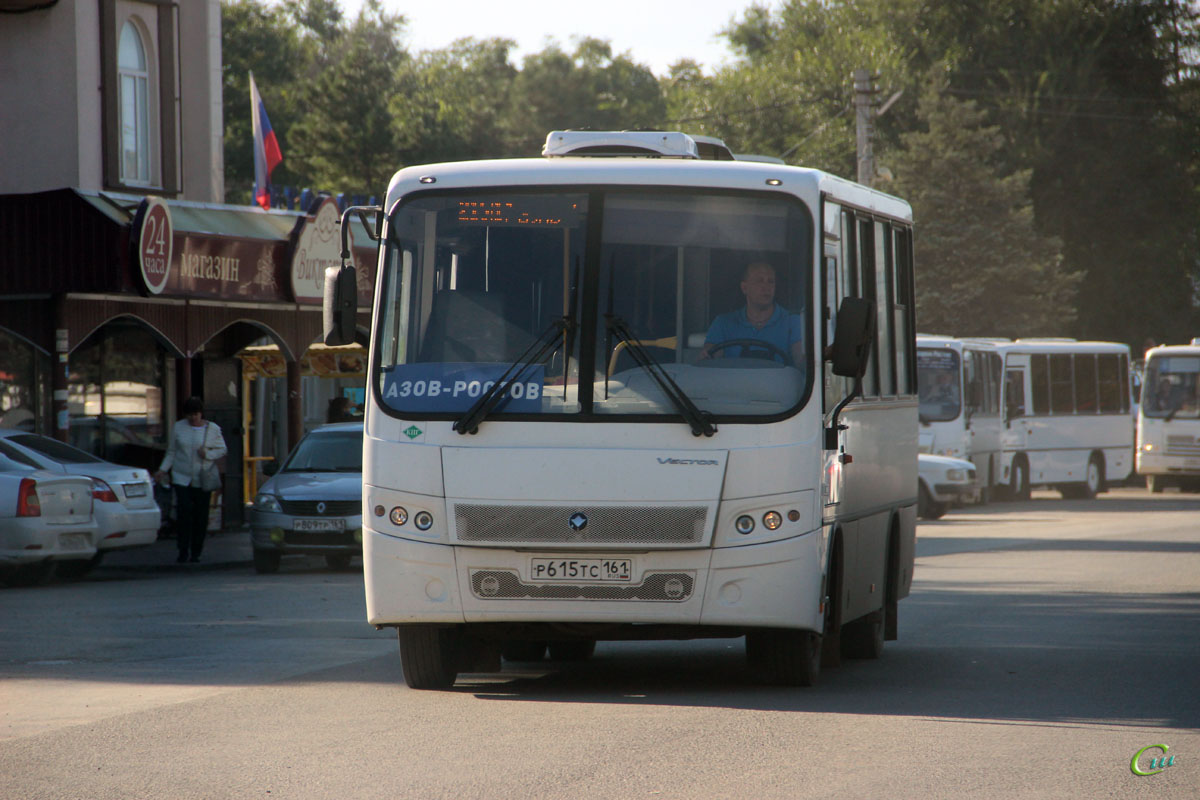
{"x": 341, "y": 283}
{"x": 836, "y": 427}
{"x": 850, "y": 354}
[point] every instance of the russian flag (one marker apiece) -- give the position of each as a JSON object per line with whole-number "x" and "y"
{"x": 266, "y": 148}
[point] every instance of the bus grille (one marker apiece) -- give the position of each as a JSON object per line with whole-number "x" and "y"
{"x": 671, "y": 525}
{"x": 1183, "y": 446}
{"x": 670, "y": 587}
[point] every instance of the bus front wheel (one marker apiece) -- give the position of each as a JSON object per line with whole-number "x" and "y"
{"x": 1019, "y": 484}
{"x": 785, "y": 657}
{"x": 429, "y": 655}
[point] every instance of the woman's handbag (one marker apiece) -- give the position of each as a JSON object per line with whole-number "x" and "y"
{"x": 210, "y": 476}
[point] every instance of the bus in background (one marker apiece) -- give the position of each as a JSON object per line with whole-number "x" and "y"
{"x": 1068, "y": 417}
{"x": 562, "y": 446}
{"x": 1169, "y": 418}
{"x": 958, "y": 383}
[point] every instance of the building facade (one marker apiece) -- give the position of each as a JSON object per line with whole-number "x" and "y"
{"x": 125, "y": 285}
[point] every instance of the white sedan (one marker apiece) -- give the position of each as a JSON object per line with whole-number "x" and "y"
{"x": 943, "y": 482}
{"x": 45, "y": 519}
{"x": 125, "y": 511}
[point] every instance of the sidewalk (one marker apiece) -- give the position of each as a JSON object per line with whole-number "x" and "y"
{"x": 227, "y": 549}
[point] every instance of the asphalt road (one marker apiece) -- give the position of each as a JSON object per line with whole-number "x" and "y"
{"x": 1044, "y": 645}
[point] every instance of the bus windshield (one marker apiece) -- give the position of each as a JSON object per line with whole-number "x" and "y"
{"x": 1172, "y": 387}
{"x": 938, "y": 384}
{"x": 594, "y": 304}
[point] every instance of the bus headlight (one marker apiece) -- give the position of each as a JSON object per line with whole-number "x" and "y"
{"x": 423, "y": 520}
{"x": 398, "y": 516}
{"x": 744, "y": 524}
{"x": 772, "y": 520}
{"x": 1148, "y": 446}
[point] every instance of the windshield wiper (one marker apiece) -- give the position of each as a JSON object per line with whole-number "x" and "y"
{"x": 697, "y": 419}
{"x": 544, "y": 347}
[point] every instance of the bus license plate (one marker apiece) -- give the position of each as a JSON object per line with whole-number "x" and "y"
{"x": 319, "y": 525}
{"x": 585, "y": 570}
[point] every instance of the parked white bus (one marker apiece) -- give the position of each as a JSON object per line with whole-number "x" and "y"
{"x": 1169, "y": 418}
{"x": 581, "y": 426}
{"x": 1068, "y": 417}
{"x": 958, "y": 382}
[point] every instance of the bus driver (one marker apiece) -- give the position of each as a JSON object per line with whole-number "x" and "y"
{"x": 762, "y": 319}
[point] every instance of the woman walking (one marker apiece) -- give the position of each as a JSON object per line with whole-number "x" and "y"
{"x": 196, "y": 444}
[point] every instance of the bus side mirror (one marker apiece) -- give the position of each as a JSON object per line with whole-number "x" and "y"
{"x": 341, "y": 305}
{"x": 852, "y": 338}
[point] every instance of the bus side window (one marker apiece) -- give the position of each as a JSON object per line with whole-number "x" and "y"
{"x": 1086, "y": 400}
{"x": 1039, "y": 368}
{"x": 1014, "y": 393}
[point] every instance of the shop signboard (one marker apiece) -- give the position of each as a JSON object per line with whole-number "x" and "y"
{"x": 176, "y": 263}
{"x": 318, "y": 247}
{"x": 155, "y": 243}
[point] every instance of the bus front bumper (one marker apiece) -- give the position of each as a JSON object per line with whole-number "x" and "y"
{"x": 775, "y": 584}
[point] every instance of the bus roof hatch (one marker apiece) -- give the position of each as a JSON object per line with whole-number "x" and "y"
{"x": 647, "y": 144}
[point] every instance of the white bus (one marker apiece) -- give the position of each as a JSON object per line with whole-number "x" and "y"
{"x": 1169, "y": 418}
{"x": 1068, "y": 417}
{"x": 958, "y": 382}
{"x": 559, "y": 449}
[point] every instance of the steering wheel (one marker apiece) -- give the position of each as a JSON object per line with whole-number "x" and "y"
{"x": 759, "y": 343}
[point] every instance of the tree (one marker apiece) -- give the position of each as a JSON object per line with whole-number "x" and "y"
{"x": 266, "y": 41}
{"x": 982, "y": 269}
{"x": 453, "y": 103}
{"x": 1090, "y": 95}
{"x": 790, "y": 92}
{"x": 588, "y": 88}
{"x": 345, "y": 139}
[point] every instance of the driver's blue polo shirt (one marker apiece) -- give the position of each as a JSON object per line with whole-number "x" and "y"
{"x": 783, "y": 330}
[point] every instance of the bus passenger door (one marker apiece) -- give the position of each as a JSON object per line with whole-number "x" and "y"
{"x": 1014, "y": 438}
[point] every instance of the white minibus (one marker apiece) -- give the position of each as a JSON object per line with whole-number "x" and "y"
{"x": 958, "y": 383}
{"x": 1068, "y": 417}
{"x": 1169, "y": 418}
{"x": 624, "y": 391}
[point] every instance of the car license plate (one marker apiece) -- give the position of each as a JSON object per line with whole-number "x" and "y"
{"x": 581, "y": 570}
{"x": 319, "y": 525}
{"x": 73, "y": 541}
{"x": 135, "y": 490}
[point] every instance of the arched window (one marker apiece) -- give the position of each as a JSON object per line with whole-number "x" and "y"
{"x": 134, "y": 73}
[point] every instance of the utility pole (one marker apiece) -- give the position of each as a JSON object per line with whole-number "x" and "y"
{"x": 864, "y": 124}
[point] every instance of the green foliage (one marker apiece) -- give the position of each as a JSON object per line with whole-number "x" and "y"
{"x": 983, "y": 270}
{"x": 345, "y": 139}
{"x": 1054, "y": 170}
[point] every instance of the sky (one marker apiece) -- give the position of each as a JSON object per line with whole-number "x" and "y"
{"x": 653, "y": 32}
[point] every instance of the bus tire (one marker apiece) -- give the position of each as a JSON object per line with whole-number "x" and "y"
{"x": 831, "y": 623}
{"x": 863, "y": 638}
{"x": 1018, "y": 487}
{"x": 576, "y": 650}
{"x": 1154, "y": 483}
{"x": 1094, "y": 483}
{"x": 784, "y": 657}
{"x": 429, "y": 655}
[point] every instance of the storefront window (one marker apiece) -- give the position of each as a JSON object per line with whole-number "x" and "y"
{"x": 115, "y": 396}
{"x": 18, "y": 383}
